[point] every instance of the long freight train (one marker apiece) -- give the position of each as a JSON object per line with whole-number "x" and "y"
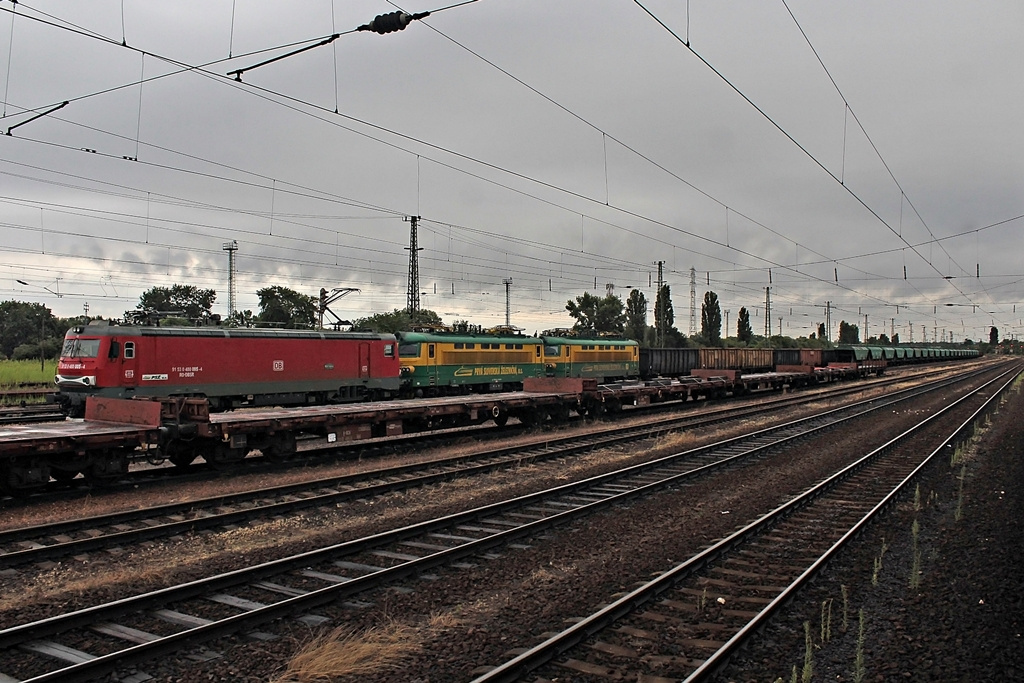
{"x": 234, "y": 368}
{"x": 195, "y": 371}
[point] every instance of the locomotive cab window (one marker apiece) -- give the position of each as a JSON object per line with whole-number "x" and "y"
{"x": 552, "y": 350}
{"x": 408, "y": 350}
{"x": 389, "y": 350}
{"x": 129, "y": 350}
{"x": 115, "y": 350}
{"x": 430, "y": 350}
{"x": 81, "y": 348}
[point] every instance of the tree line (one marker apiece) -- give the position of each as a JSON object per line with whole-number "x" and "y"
{"x": 30, "y": 330}
{"x": 609, "y": 315}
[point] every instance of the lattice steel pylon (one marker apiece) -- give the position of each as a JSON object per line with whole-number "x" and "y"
{"x": 231, "y": 247}
{"x": 508, "y": 301}
{"x": 413, "y": 298}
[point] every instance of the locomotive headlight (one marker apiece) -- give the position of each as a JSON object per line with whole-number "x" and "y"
{"x": 86, "y": 381}
{"x": 407, "y": 369}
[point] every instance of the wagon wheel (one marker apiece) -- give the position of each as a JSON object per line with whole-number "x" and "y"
{"x": 280, "y": 448}
{"x": 559, "y": 414}
{"x": 18, "y": 478}
{"x": 64, "y": 476}
{"x": 108, "y": 466}
{"x": 595, "y": 409}
{"x": 101, "y": 478}
{"x": 180, "y": 454}
{"x": 224, "y": 456}
{"x": 499, "y": 415}
{"x": 529, "y": 418}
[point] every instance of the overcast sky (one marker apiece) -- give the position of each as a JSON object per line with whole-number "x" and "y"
{"x": 566, "y": 146}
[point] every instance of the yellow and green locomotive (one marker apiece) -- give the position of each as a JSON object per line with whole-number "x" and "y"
{"x": 604, "y": 359}
{"x": 436, "y": 363}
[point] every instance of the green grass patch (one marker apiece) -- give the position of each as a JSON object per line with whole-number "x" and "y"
{"x": 19, "y": 373}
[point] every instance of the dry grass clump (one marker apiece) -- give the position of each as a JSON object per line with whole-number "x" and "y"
{"x": 343, "y": 652}
{"x": 675, "y": 441}
{"x": 443, "y": 620}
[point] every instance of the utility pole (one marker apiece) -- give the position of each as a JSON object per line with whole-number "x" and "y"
{"x": 508, "y": 299}
{"x": 726, "y": 323}
{"x": 767, "y": 311}
{"x": 910, "y": 326}
{"x": 693, "y": 301}
{"x": 662, "y": 306}
{"x": 413, "y": 297}
{"x": 866, "y": 327}
{"x": 230, "y": 247}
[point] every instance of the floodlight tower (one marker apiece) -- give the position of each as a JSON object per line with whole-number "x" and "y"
{"x": 231, "y": 247}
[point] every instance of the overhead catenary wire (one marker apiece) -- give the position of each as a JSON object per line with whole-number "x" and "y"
{"x": 874, "y": 147}
{"x": 789, "y": 136}
{"x": 279, "y": 93}
{"x": 689, "y": 233}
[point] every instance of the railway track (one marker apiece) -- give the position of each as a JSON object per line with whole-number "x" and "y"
{"x": 178, "y": 617}
{"x": 685, "y": 624}
{"x": 30, "y": 413}
{"x": 73, "y": 537}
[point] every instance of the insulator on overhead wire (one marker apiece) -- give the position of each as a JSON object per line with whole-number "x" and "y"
{"x": 391, "y": 22}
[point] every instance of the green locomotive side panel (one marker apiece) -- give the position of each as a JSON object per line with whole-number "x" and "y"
{"x": 479, "y": 374}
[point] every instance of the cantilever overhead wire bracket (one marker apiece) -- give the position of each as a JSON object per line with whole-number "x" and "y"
{"x": 326, "y": 41}
{"x": 37, "y": 116}
{"x": 382, "y": 23}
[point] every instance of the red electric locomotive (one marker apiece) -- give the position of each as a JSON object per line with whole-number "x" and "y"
{"x": 229, "y": 367}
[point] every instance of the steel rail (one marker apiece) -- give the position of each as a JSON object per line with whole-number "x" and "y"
{"x": 26, "y": 633}
{"x": 573, "y": 636}
{"x": 514, "y": 455}
{"x": 494, "y": 459}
